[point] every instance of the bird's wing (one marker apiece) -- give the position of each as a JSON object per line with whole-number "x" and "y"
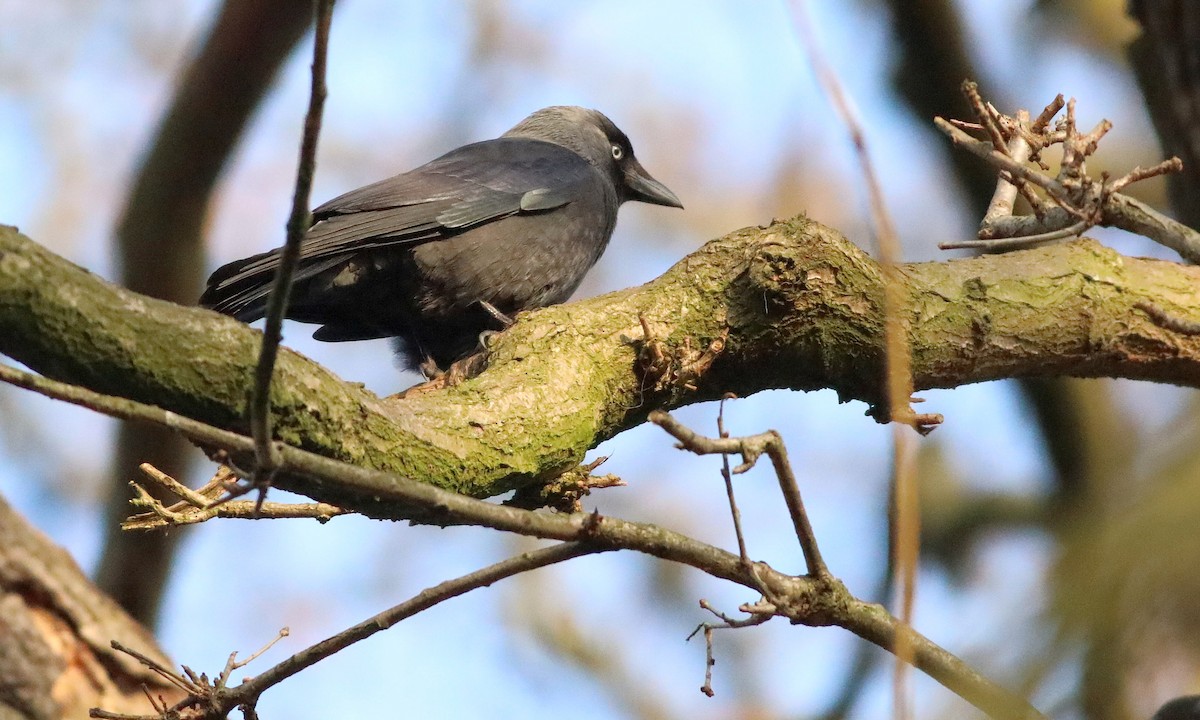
{"x": 471, "y": 185}
{"x": 466, "y": 187}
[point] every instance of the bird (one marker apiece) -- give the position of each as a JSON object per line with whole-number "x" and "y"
{"x": 1181, "y": 708}
{"x": 439, "y": 256}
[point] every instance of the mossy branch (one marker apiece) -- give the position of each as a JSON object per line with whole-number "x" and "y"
{"x": 790, "y": 305}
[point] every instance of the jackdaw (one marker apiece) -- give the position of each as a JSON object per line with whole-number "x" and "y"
{"x": 438, "y": 255}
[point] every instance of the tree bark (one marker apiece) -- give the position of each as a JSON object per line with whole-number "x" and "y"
{"x": 55, "y": 634}
{"x": 793, "y": 305}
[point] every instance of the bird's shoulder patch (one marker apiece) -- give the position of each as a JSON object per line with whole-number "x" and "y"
{"x": 545, "y": 199}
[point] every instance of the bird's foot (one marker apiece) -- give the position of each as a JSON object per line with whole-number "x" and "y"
{"x": 485, "y": 338}
{"x": 429, "y": 369}
{"x": 437, "y": 379}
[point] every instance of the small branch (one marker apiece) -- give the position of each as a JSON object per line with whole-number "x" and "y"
{"x": 898, "y": 373}
{"x": 1015, "y": 243}
{"x": 566, "y": 492}
{"x": 1170, "y": 322}
{"x": 1139, "y": 173}
{"x": 755, "y": 618}
{"x": 906, "y": 550}
{"x": 1082, "y": 201}
{"x": 215, "y": 700}
{"x": 751, "y": 448}
{"x": 196, "y": 498}
{"x": 807, "y": 600}
{"x": 897, "y": 351}
{"x": 1042, "y": 123}
{"x": 727, "y": 476}
{"x": 1005, "y": 198}
{"x": 197, "y": 506}
{"x": 1000, "y": 160}
{"x": 988, "y": 117}
{"x": 424, "y": 600}
{"x": 266, "y": 456}
{"x": 234, "y": 664}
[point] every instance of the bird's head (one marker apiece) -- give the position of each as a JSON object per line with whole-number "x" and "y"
{"x": 593, "y": 136}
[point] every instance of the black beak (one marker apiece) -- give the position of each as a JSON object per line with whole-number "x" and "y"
{"x": 646, "y": 189}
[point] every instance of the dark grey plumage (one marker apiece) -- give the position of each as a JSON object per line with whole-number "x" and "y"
{"x": 514, "y": 222}
{"x": 1181, "y": 708}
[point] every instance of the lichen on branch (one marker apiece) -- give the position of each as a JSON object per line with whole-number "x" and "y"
{"x": 793, "y": 305}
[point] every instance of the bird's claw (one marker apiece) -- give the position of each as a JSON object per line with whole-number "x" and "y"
{"x": 485, "y": 337}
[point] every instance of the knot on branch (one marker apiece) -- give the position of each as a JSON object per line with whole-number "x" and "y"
{"x": 673, "y": 370}
{"x": 566, "y": 492}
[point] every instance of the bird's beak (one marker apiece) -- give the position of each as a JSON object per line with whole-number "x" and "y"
{"x": 646, "y": 189}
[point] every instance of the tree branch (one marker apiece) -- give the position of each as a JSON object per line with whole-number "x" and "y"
{"x": 798, "y": 305}
{"x": 55, "y": 630}
{"x": 217, "y": 699}
{"x": 809, "y": 600}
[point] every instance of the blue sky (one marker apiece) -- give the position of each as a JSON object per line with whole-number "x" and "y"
{"x": 721, "y": 107}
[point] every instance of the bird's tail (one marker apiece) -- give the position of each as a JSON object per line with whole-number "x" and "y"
{"x": 240, "y": 289}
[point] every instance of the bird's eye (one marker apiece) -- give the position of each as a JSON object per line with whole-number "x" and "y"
{"x": 617, "y": 152}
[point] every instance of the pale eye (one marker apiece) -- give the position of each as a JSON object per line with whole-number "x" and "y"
{"x": 617, "y": 152}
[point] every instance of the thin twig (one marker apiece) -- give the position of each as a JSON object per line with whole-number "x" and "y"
{"x": 728, "y": 477}
{"x": 907, "y": 552}
{"x": 988, "y": 118}
{"x": 1005, "y": 197}
{"x": 216, "y": 699}
{"x": 755, "y": 618}
{"x": 751, "y": 448}
{"x": 1166, "y": 320}
{"x": 1000, "y": 160}
{"x": 1014, "y": 243}
{"x": 173, "y": 486}
{"x": 1139, "y": 173}
{"x": 897, "y": 353}
{"x": 804, "y": 599}
{"x": 1042, "y": 122}
{"x": 709, "y": 661}
{"x": 420, "y": 602}
{"x": 266, "y": 456}
{"x": 235, "y": 664}
{"x": 727, "y": 623}
{"x": 198, "y": 506}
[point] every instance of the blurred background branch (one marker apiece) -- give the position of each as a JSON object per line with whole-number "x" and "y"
{"x": 161, "y": 240}
{"x": 1045, "y": 488}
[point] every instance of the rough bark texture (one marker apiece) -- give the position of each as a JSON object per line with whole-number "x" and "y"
{"x": 55, "y": 629}
{"x": 798, "y": 306}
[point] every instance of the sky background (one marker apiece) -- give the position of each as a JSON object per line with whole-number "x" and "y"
{"x": 723, "y": 108}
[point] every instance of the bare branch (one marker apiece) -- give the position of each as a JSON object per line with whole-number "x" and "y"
{"x": 215, "y": 700}
{"x": 1169, "y": 321}
{"x": 1082, "y": 201}
{"x": 810, "y": 600}
{"x": 197, "y": 506}
{"x": 266, "y": 457}
{"x": 751, "y": 448}
{"x": 727, "y": 476}
{"x": 1015, "y": 243}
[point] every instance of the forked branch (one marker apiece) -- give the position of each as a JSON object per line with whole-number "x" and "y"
{"x": 1065, "y": 204}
